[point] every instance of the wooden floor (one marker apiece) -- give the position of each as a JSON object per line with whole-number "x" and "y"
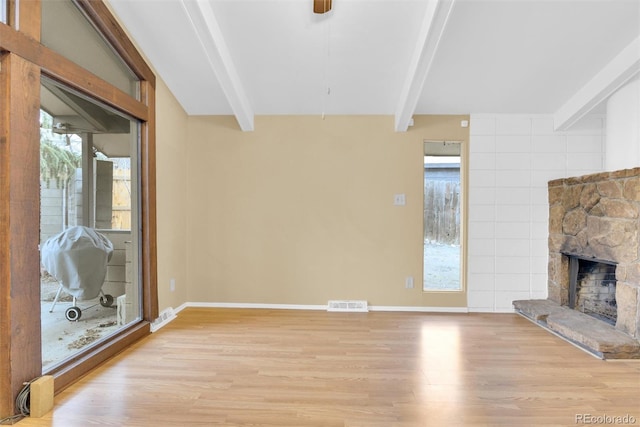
{"x": 232, "y": 367}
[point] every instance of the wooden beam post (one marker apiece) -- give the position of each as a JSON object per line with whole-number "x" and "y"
{"x": 148, "y": 196}
{"x": 20, "y": 347}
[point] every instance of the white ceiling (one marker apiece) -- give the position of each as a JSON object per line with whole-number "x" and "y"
{"x": 245, "y": 57}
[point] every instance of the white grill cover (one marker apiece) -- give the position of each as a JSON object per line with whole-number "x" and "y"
{"x": 78, "y": 259}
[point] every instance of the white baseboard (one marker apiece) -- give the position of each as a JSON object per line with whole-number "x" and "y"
{"x": 181, "y": 307}
{"x": 318, "y": 307}
{"x": 166, "y": 316}
{"x": 169, "y": 313}
{"x": 255, "y": 305}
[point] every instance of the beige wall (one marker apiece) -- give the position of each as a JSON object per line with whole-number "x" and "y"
{"x": 171, "y": 146}
{"x": 171, "y": 183}
{"x": 297, "y": 212}
{"x": 301, "y": 211}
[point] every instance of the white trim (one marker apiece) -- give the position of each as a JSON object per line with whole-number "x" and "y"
{"x": 435, "y": 20}
{"x": 608, "y": 80}
{"x": 317, "y": 307}
{"x": 255, "y": 305}
{"x": 181, "y": 307}
{"x": 215, "y": 48}
{"x": 167, "y": 315}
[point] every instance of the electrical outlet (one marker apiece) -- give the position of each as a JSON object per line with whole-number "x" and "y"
{"x": 172, "y": 285}
{"x": 408, "y": 282}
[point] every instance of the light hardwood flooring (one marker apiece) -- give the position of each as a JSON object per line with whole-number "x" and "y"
{"x": 232, "y": 367}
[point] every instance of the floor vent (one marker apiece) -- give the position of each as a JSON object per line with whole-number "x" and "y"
{"x": 165, "y": 317}
{"x": 351, "y": 305}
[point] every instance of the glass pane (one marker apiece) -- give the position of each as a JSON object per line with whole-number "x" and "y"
{"x": 442, "y": 203}
{"x": 3, "y": 11}
{"x": 89, "y": 215}
{"x": 67, "y": 31}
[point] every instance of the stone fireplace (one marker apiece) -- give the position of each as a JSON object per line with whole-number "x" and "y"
{"x": 594, "y": 263}
{"x": 597, "y": 217}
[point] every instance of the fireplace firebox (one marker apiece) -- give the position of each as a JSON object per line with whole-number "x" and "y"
{"x": 592, "y": 287}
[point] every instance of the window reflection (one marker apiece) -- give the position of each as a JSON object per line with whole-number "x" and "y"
{"x": 66, "y": 31}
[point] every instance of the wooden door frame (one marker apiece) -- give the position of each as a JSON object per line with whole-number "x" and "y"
{"x": 23, "y": 59}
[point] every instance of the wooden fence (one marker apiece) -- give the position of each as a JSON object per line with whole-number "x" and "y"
{"x": 442, "y": 212}
{"x": 121, "y": 208}
{"x": 56, "y": 204}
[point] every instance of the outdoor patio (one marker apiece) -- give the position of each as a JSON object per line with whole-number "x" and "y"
{"x": 62, "y": 338}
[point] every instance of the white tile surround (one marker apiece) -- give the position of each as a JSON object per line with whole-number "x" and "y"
{"x": 511, "y": 159}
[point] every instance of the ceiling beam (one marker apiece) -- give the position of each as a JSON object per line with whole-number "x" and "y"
{"x": 608, "y": 80}
{"x": 218, "y": 56}
{"x": 95, "y": 116}
{"x": 435, "y": 20}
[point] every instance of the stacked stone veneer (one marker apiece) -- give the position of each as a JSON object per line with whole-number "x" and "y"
{"x": 598, "y": 216}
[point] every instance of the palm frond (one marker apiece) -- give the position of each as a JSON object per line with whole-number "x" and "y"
{"x": 57, "y": 163}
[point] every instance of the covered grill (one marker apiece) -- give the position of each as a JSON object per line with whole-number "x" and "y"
{"x": 78, "y": 258}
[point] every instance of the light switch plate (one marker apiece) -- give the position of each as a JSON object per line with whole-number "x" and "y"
{"x": 399, "y": 200}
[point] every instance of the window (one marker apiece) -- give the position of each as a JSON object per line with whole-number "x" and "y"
{"x": 66, "y": 30}
{"x": 442, "y": 216}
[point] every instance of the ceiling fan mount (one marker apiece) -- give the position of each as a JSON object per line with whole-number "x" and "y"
{"x": 321, "y": 6}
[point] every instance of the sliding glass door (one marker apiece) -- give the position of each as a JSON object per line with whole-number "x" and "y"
{"x": 77, "y": 156}
{"x": 89, "y": 222}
